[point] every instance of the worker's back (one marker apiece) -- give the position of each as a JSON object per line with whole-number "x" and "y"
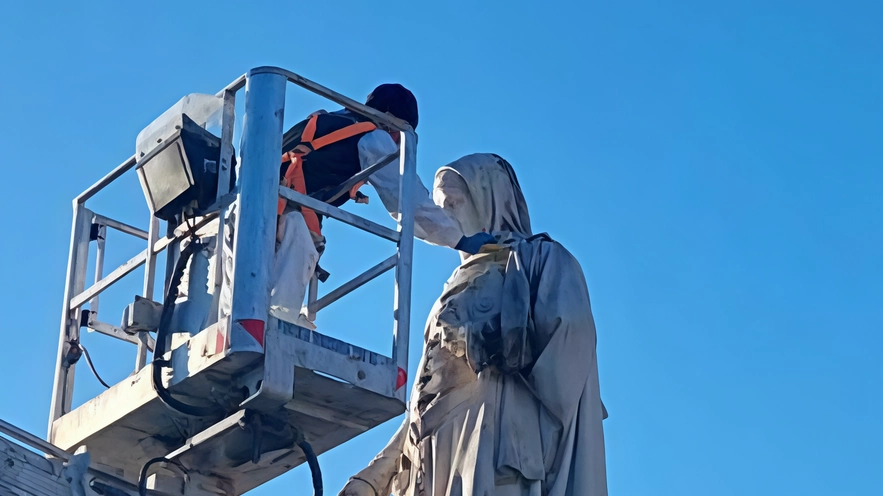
{"x": 326, "y": 166}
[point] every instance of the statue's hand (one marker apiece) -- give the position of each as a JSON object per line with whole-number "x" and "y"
{"x": 357, "y": 487}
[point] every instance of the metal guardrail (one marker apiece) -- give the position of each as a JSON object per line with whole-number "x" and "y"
{"x": 35, "y": 443}
{"x": 86, "y": 224}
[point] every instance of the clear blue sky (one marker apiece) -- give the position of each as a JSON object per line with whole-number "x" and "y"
{"x": 714, "y": 166}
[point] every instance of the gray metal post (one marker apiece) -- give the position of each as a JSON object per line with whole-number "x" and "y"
{"x": 149, "y": 285}
{"x": 401, "y": 333}
{"x": 172, "y": 251}
{"x": 255, "y": 228}
{"x": 150, "y": 263}
{"x": 228, "y": 122}
{"x": 63, "y": 384}
{"x": 99, "y": 268}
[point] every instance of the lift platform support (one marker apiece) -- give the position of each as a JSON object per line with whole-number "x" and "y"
{"x": 23, "y": 472}
{"x": 268, "y": 385}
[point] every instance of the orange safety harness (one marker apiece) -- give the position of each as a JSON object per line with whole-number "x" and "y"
{"x": 294, "y": 175}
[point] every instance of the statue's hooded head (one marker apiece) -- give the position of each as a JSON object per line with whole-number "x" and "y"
{"x": 482, "y": 194}
{"x": 480, "y": 191}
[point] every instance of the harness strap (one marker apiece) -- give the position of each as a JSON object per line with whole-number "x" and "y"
{"x": 341, "y": 134}
{"x": 294, "y": 175}
{"x": 310, "y": 130}
{"x": 355, "y": 189}
{"x": 294, "y": 179}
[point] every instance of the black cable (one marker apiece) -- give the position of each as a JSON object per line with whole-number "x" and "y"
{"x": 162, "y": 336}
{"x": 142, "y": 477}
{"x": 104, "y": 489}
{"x": 91, "y": 366}
{"x": 314, "y": 467}
{"x": 159, "y": 363}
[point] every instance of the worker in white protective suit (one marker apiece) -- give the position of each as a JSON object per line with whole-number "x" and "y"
{"x": 338, "y": 145}
{"x": 323, "y": 152}
{"x": 507, "y": 399}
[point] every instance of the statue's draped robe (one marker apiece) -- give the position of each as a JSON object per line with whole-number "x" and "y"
{"x": 532, "y": 423}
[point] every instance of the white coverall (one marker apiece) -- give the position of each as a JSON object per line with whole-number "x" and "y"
{"x": 296, "y": 256}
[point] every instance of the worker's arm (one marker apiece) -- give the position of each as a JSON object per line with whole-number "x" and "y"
{"x": 431, "y": 223}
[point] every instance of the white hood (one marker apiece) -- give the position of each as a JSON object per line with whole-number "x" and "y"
{"x": 496, "y": 194}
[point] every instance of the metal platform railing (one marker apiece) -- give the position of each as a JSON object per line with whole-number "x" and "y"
{"x": 39, "y": 479}
{"x": 259, "y": 166}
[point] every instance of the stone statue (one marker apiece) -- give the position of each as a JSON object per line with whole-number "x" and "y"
{"x": 507, "y": 399}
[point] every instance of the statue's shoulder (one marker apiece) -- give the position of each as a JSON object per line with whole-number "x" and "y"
{"x": 539, "y": 243}
{"x": 539, "y": 249}
{"x": 532, "y": 242}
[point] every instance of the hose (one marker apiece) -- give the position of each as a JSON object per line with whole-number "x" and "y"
{"x": 91, "y": 366}
{"x": 166, "y": 397}
{"x": 313, "y": 462}
{"x": 142, "y": 477}
{"x": 159, "y": 363}
{"x": 106, "y": 490}
{"x": 162, "y": 336}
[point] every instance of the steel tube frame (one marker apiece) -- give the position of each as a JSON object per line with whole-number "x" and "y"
{"x": 377, "y": 116}
{"x": 402, "y": 312}
{"x": 96, "y": 289}
{"x": 63, "y": 383}
{"x": 120, "y": 226}
{"x": 228, "y": 121}
{"x": 127, "y": 267}
{"x": 104, "y": 181}
{"x": 336, "y": 213}
{"x": 312, "y": 296}
{"x": 149, "y": 284}
{"x": 163, "y": 243}
{"x": 362, "y": 176}
{"x": 255, "y": 225}
{"x": 99, "y": 266}
{"x": 50, "y": 449}
{"x": 354, "y": 283}
{"x": 75, "y": 294}
{"x": 115, "y": 332}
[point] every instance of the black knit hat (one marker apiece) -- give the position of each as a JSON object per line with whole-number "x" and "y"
{"x": 397, "y": 100}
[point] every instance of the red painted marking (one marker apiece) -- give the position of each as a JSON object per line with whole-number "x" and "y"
{"x": 255, "y": 328}
{"x": 401, "y": 379}
{"x": 220, "y": 342}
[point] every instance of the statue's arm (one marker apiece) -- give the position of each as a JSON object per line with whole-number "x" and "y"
{"x": 377, "y": 477}
{"x": 379, "y": 473}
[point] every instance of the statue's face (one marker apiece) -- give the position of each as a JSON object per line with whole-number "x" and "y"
{"x": 452, "y": 195}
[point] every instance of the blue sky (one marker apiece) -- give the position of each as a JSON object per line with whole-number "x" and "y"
{"x": 714, "y": 166}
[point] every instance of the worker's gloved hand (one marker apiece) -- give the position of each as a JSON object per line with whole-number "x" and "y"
{"x": 471, "y": 244}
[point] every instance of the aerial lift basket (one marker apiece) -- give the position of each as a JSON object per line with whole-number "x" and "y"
{"x": 262, "y": 386}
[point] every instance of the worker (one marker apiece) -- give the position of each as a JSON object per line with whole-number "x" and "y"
{"x": 324, "y": 151}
